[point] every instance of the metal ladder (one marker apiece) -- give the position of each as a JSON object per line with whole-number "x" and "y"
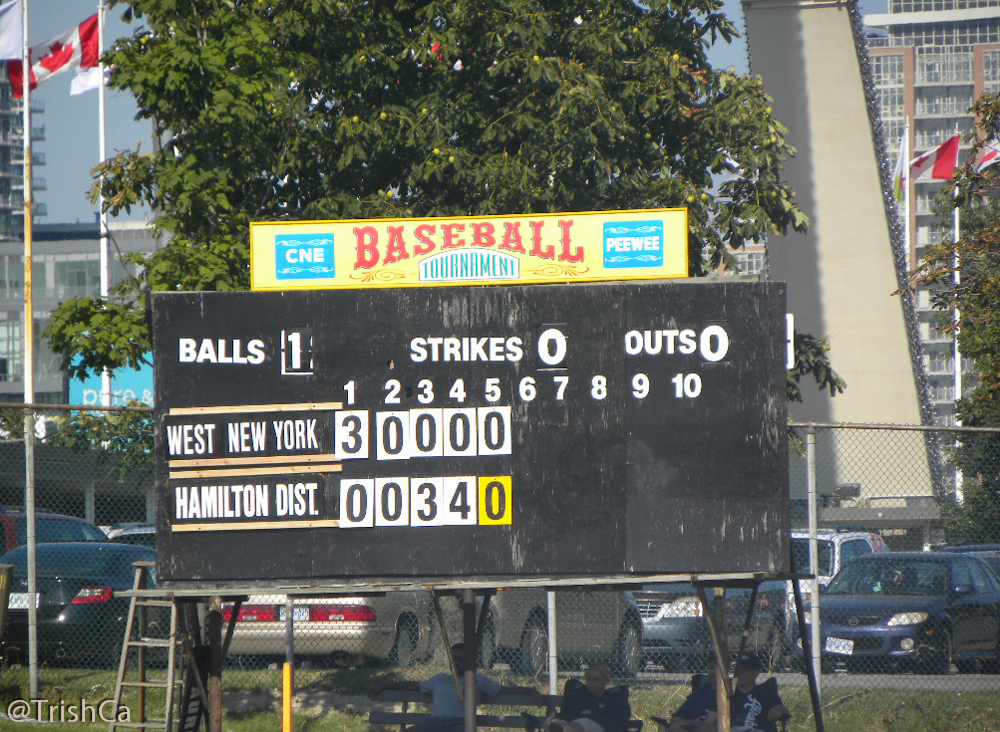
{"x": 136, "y": 680}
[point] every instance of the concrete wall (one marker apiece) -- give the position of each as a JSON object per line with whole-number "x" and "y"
{"x": 841, "y": 274}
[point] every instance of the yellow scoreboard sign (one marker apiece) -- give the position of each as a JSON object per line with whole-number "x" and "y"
{"x": 534, "y": 248}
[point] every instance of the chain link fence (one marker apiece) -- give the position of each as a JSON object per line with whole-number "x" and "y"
{"x": 903, "y": 618}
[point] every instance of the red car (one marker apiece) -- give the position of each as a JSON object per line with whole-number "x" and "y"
{"x": 50, "y": 528}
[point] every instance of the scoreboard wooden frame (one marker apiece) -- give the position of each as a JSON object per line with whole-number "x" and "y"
{"x": 599, "y": 430}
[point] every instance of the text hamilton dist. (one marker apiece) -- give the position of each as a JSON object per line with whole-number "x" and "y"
{"x": 245, "y": 501}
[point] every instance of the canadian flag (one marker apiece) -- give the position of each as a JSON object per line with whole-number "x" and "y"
{"x": 74, "y": 49}
{"x": 941, "y": 161}
{"x": 991, "y": 155}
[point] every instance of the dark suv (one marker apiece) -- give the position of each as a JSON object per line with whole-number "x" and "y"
{"x": 50, "y": 528}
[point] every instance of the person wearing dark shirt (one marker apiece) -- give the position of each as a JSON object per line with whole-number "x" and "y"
{"x": 699, "y": 703}
{"x": 755, "y": 706}
{"x": 592, "y": 706}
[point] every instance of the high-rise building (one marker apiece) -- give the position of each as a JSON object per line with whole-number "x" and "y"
{"x": 930, "y": 60}
{"x": 12, "y": 163}
{"x": 66, "y": 263}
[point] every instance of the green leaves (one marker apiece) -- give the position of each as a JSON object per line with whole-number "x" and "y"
{"x": 92, "y": 334}
{"x": 811, "y": 359}
{"x": 121, "y": 443}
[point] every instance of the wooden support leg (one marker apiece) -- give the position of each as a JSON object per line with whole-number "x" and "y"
{"x": 715, "y": 614}
{"x": 745, "y": 638}
{"x": 484, "y": 613}
{"x": 214, "y": 621}
{"x": 469, "y": 639}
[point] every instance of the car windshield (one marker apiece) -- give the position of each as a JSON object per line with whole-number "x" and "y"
{"x": 51, "y": 531}
{"x": 800, "y": 547}
{"x": 891, "y": 577}
{"x": 71, "y": 560}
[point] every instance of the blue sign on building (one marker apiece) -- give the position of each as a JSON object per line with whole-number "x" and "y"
{"x": 127, "y": 385}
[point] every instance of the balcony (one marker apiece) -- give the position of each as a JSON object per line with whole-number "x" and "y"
{"x": 37, "y": 158}
{"x": 943, "y": 111}
{"x": 940, "y": 367}
{"x": 934, "y": 80}
{"x": 933, "y": 336}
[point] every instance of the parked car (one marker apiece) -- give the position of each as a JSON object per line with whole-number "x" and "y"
{"x": 834, "y": 549}
{"x": 49, "y": 528}
{"x": 675, "y": 632}
{"x": 135, "y": 533}
{"x": 79, "y": 616}
{"x": 989, "y": 553}
{"x": 915, "y": 610}
{"x": 591, "y": 625}
{"x": 395, "y": 627}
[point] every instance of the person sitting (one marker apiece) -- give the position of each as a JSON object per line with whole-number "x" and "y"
{"x": 592, "y": 706}
{"x": 449, "y": 712}
{"x": 755, "y": 706}
{"x": 691, "y": 715}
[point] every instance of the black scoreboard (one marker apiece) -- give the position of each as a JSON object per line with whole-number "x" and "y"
{"x": 543, "y": 431}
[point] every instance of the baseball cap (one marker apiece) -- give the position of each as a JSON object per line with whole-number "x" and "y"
{"x": 749, "y": 661}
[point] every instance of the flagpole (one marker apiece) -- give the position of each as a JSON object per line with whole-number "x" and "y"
{"x": 957, "y": 280}
{"x": 905, "y": 168}
{"x": 29, "y": 365}
{"x": 101, "y": 155}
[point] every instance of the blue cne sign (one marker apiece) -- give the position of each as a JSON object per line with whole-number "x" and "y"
{"x": 303, "y": 256}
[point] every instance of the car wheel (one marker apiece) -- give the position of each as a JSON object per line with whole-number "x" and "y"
{"x": 533, "y": 655}
{"x": 967, "y": 666}
{"x": 940, "y": 662}
{"x": 402, "y": 649}
{"x": 628, "y": 651}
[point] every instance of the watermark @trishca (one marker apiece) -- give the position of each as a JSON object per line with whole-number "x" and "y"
{"x": 47, "y": 710}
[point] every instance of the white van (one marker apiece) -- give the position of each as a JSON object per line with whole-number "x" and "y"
{"x": 834, "y": 549}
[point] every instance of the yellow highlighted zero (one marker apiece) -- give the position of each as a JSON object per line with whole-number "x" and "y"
{"x": 494, "y": 500}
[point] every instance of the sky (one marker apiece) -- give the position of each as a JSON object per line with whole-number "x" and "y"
{"x": 71, "y": 144}
{"x": 71, "y": 122}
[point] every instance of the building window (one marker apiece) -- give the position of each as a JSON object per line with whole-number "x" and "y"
{"x": 991, "y": 72}
{"x": 750, "y": 262}
{"x": 937, "y": 66}
{"x": 942, "y": 101}
{"x": 888, "y": 69}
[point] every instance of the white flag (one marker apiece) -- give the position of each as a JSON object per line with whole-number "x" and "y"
{"x": 10, "y": 30}
{"x": 85, "y": 80}
{"x": 899, "y": 175}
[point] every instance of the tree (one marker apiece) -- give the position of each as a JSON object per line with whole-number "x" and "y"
{"x": 323, "y": 109}
{"x": 121, "y": 442}
{"x": 977, "y": 298}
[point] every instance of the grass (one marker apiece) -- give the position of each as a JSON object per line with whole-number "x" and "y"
{"x": 844, "y": 709}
